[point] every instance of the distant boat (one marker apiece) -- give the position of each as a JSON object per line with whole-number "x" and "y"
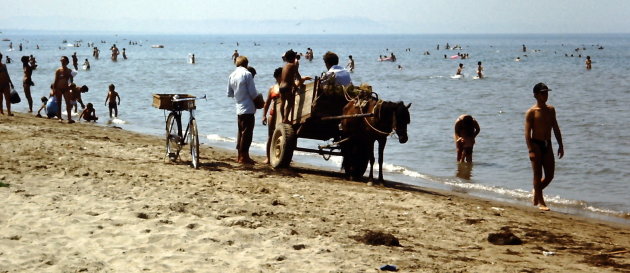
{"x": 157, "y": 46}
{"x": 6, "y": 39}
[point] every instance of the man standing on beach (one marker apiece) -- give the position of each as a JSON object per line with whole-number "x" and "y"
{"x": 5, "y": 87}
{"x": 241, "y": 87}
{"x": 540, "y": 119}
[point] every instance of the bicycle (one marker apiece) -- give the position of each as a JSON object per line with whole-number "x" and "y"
{"x": 176, "y": 138}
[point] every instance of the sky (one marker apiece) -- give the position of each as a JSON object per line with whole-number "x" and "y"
{"x": 321, "y": 16}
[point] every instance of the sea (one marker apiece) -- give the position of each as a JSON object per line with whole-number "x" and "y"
{"x": 592, "y": 179}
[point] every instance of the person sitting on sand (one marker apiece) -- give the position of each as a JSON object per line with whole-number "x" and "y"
{"x": 43, "y": 107}
{"x": 540, "y": 120}
{"x": 89, "y": 114}
{"x": 61, "y": 87}
{"x": 460, "y": 69}
{"x": 270, "y": 102}
{"x": 112, "y": 95}
{"x": 479, "y": 70}
{"x": 466, "y": 130}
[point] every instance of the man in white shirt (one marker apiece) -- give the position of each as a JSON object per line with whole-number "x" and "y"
{"x": 241, "y": 87}
{"x": 342, "y": 76}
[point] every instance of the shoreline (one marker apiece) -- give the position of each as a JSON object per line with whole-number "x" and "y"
{"x": 80, "y": 196}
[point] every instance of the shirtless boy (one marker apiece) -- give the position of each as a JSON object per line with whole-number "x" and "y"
{"x": 61, "y": 87}
{"x": 5, "y": 87}
{"x": 588, "y": 62}
{"x": 466, "y": 129}
{"x": 540, "y": 119}
{"x": 75, "y": 92}
{"x": 111, "y": 97}
{"x": 288, "y": 85}
{"x": 460, "y": 69}
{"x": 479, "y": 70}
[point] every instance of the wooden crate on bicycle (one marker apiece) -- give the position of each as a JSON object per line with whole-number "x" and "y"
{"x": 165, "y": 101}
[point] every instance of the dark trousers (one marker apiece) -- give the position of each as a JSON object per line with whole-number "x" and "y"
{"x": 245, "y": 132}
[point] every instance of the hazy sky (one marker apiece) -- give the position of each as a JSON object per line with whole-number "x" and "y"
{"x": 282, "y": 16}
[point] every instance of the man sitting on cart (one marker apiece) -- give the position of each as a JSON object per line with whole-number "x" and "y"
{"x": 342, "y": 76}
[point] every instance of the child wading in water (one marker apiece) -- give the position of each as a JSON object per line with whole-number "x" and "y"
{"x": 111, "y": 97}
{"x": 540, "y": 119}
{"x": 89, "y": 114}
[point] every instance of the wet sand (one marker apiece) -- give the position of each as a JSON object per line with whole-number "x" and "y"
{"x": 88, "y": 198}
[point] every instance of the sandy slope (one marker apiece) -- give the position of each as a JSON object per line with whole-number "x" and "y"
{"x": 86, "y": 198}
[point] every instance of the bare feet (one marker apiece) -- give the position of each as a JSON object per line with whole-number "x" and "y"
{"x": 543, "y": 208}
{"x": 70, "y": 121}
{"x": 11, "y": 114}
{"x": 266, "y": 161}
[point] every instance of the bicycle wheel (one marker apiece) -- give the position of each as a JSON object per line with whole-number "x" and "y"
{"x": 173, "y": 143}
{"x": 193, "y": 141}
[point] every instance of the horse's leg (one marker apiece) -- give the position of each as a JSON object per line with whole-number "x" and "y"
{"x": 381, "y": 148}
{"x": 371, "y": 147}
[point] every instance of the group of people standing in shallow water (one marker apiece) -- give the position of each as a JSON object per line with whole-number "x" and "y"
{"x": 63, "y": 90}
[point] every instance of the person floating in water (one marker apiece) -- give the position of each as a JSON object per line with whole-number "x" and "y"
{"x": 466, "y": 130}
{"x": 479, "y": 70}
{"x": 540, "y": 120}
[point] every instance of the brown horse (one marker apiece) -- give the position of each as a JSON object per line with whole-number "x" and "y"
{"x": 387, "y": 117}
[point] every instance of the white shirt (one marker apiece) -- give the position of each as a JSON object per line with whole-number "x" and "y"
{"x": 241, "y": 87}
{"x": 342, "y": 76}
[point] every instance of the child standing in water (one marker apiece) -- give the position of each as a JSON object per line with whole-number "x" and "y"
{"x": 111, "y": 97}
{"x": 540, "y": 119}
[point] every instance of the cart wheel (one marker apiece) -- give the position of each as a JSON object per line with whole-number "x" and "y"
{"x": 172, "y": 139}
{"x": 283, "y": 143}
{"x": 194, "y": 143}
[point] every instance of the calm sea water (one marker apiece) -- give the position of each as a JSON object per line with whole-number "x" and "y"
{"x": 592, "y": 106}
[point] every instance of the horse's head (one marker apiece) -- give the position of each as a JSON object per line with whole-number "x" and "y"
{"x": 402, "y": 118}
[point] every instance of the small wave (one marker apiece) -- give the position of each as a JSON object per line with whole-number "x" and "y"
{"x": 218, "y": 138}
{"x": 118, "y": 121}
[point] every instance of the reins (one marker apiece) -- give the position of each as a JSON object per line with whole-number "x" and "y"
{"x": 379, "y": 105}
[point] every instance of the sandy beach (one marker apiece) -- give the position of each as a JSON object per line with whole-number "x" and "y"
{"x": 89, "y": 198}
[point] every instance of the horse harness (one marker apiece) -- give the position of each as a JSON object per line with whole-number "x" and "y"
{"x": 361, "y": 103}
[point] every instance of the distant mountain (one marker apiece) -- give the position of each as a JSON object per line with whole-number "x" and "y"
{"x": 323, "y": 26}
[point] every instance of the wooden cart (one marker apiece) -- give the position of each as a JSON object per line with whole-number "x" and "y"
{"x": 316, "y": 115}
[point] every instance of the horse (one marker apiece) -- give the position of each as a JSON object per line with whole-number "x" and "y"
{"x": 385, "y": 118}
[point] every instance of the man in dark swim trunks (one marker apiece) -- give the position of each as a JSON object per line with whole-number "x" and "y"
{"x": 540, "y": 119}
